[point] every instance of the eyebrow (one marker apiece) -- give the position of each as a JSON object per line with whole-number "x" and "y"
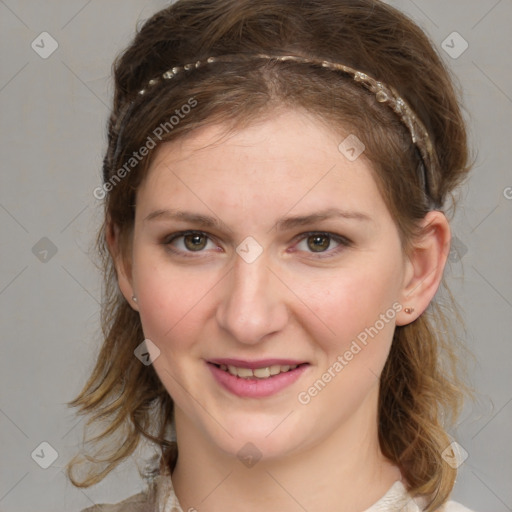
{"x": 331, "y": 213}
{"x": 283, "y": 223}
{"x": 169, "y": 214}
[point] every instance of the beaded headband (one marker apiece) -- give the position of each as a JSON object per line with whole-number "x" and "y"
{"x": 384, "y": 94}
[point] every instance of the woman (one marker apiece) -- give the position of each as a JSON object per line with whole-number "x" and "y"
{"x": 274, "y": 185}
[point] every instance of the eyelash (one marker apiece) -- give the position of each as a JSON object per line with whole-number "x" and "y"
{"x": 341, "y": 240}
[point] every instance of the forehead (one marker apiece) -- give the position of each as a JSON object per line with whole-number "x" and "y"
{"x": 280, "y": 160}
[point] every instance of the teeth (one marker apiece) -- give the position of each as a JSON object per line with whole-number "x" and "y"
{"x": 244, "y": 372}
{"x": 275, "y": 369}
{"x": 260, "y": 373}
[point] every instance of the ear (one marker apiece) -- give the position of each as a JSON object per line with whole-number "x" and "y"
{"x": 424, "y": 267}
{"x": 122, "y": 263}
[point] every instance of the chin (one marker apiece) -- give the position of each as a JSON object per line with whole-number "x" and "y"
{"x": 266, "y": 438}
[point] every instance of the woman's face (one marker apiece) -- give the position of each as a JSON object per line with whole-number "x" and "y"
{"x": 256, "y": 252}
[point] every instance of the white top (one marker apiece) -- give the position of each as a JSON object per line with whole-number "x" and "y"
{"x": 395, "y": 500}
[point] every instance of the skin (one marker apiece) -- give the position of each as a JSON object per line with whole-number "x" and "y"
{"x": 291, "y": 302}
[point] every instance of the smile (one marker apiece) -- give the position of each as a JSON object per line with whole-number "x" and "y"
{"x": 256, "y": 379}
{"x": 259, "y": 373}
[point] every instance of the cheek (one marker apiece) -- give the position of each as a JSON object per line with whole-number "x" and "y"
{"x": 354, "y": 321}
{"x": 358, "y": 314}
{"x": 349, "y": 301}
{"x": 171, "y": 299}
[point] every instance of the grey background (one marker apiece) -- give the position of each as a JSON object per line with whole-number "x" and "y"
{"x": 53, "y": 116}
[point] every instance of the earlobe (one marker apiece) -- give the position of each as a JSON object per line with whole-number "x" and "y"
{"x": 122, "y": 264}
{"x": 425, "y": 267}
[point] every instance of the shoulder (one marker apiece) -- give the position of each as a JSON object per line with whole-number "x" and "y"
{"x": 453, "y": 506}
{"x": 136, "y": 503}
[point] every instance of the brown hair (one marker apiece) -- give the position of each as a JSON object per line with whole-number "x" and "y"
{"x": 420, "y": 388}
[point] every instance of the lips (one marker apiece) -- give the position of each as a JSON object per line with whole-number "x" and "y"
{"x": 260, "y": 363}
{"x": 258, "y": 373}
{"x": 256, "y": 379}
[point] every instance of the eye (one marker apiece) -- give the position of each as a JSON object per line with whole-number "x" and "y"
{"x": 319, "y": 242}
{"x": 188, "y": 241}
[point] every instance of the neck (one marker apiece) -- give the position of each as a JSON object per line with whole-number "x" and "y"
{"x": 345, "y": 472}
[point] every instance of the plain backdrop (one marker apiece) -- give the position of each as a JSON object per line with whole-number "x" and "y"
{"x": 53, "y": 113}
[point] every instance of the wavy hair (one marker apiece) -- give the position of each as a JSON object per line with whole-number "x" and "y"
{"x": 421, "y": 388}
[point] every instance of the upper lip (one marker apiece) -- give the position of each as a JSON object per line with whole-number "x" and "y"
{"x": 260, "y": 363}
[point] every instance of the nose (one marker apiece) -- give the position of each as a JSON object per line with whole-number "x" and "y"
{"x": 253, "y": 303}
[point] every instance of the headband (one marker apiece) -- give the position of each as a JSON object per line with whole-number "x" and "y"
{"x": 384, "y": 94}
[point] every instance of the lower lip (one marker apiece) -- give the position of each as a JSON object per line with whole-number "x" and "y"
{"x": 256, "y": 388}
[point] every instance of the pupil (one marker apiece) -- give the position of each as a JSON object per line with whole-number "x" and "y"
{"x": 195, "y": 242}
{"x": 318, "y": 243}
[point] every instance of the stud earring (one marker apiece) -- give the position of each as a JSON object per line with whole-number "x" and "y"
{"x": 134, "y": 298}
{"x": 409, "y": 311}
